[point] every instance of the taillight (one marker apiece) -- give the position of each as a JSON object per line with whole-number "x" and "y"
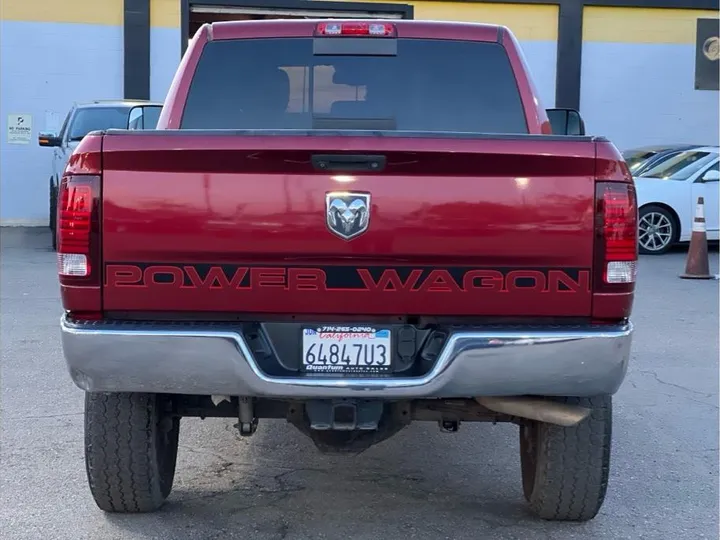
{"x": 616, "y": 230}
{"x": 78, "y": 227}
{"x": 371, "y": 29}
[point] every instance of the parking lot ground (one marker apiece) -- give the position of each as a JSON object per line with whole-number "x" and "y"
{"x": 421, "y": 484}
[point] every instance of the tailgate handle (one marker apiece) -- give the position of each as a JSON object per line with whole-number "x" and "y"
{"x": 348, "y": 162}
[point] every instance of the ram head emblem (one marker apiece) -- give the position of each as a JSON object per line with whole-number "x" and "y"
{"x": 347, "y": 214}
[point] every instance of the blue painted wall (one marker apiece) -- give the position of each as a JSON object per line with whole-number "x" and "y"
{"x": 45, "y": 67}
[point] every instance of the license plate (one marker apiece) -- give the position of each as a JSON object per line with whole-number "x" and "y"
{"x": 346, "y": 349}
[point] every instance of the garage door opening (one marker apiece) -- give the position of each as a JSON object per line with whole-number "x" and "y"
{"x": 196, "y": 13}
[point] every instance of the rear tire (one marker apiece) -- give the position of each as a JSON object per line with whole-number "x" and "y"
{"x": 565, "y": 469}
{"x": 131, "y": 443}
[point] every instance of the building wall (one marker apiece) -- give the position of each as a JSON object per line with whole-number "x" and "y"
{"x": 52, "y": 53}
{"x": 638, "y": 77}
{"x": 164, "y": 45}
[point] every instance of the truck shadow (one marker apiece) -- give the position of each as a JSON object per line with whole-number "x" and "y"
{"x": 419, "y": 484}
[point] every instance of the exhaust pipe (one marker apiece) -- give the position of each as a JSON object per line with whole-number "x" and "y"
{"x": 542, "y": 410}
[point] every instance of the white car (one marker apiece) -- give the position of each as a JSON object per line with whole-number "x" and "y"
{"x": 667, "y": 196}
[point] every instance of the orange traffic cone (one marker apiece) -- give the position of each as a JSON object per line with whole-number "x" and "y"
{"x": 698, "y": 263}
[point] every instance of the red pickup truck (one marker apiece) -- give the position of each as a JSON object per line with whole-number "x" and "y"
{"x": 349, "y": 225}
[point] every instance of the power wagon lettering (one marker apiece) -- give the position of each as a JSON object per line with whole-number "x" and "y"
{"x": 339, "y": 278}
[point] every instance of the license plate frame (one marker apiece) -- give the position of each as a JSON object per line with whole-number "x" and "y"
{"x": 360, "y": 350}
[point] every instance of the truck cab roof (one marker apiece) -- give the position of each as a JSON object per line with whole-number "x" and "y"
{"x": 223, "y": 30}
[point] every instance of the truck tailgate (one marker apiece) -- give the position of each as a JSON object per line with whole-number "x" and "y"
{"x": 212, "y": 222}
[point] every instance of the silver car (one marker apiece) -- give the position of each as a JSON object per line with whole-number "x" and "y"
{"x": 81, "y": 120}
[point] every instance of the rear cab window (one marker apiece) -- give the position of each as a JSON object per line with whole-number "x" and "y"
{"x": 429, "y": 85}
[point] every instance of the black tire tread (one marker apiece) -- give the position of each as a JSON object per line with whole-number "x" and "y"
{"x": 53, "y": 216}
{"x": 121, "y": 455}
{"x": 573, "y": 464}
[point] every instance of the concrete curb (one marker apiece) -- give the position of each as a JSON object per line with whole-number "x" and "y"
{"x": 24, "y": 223}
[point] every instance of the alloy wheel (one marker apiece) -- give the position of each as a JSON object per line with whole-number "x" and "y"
{"x": 655, "y": 231}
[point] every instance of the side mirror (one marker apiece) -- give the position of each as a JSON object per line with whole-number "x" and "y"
{"x": 135, "y": 119}
{"x": 49, "y": 139}
{"x": 144, "y": 117}
{"x": 566, "y": 122}
{"x": 713, "y": 175}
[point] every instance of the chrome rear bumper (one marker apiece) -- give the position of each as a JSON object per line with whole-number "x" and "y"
{"x": 573, "y": 361}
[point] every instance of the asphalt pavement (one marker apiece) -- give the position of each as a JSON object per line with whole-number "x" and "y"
{"x": 420, "y": 484}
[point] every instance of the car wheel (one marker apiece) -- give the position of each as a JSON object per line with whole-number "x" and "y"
{"x": 565, "y": 469}
{"x": 658, "y": 230}
{"x": 131, "y": 444}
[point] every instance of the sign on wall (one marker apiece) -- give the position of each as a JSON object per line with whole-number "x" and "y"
{"x": 19, "y": 128}
{"x": 707, "y": 55}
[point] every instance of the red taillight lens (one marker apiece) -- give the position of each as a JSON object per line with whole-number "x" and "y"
{"x": 355, "y": 29}
{"x": 77, "y": 225}
{"x": 616, "y": 236}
